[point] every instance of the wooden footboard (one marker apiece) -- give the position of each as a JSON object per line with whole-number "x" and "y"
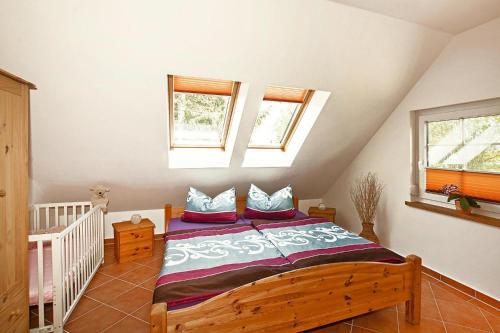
{"x": 301, "y": 299}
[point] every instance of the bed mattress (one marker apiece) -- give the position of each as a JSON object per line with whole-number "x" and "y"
{"x": 200, "y": 264}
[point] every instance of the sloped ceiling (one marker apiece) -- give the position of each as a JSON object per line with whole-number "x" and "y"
{"x": 451, "y": 16}
{"x": 100, "y": 112}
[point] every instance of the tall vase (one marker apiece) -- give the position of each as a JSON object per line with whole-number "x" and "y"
{"x": 368, "y": 232}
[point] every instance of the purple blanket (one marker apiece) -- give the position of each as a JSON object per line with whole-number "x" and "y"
{"x": 203, "y": 263}
{"x": 200, "y": 264}
{"x": 316, "y": 241}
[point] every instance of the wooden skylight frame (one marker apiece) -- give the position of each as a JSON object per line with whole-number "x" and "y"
{"x": 197, "y": 85}
{"x": 290, "y": 95}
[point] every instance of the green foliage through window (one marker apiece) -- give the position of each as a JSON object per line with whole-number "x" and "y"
{"x": 465, "y": 144}
{"x": 272, "y": 123}
{"x": 199, "y": 118}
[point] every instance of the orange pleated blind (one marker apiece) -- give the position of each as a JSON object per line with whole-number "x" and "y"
{"x": 284, "y": 94}
{"x": 483, "y": 186}
{"x": 196, "y": 85}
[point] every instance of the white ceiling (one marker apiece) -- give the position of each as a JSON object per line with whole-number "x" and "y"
{"x": 100, "y": 112}
{"x": 451, "y": 16}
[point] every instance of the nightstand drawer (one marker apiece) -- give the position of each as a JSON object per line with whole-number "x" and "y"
{"x": 136, "y": 250}
{"x": 327, "y": 213}
{"x": 136, "y": 235}
{"x": 133, "y": 241}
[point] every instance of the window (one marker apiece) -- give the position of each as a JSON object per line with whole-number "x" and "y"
{"x": 461, "y": 145}
{"x": 464, "y": 144}
{"x": 283, "y": 151}
{"x": 464, "y": 152}
{"x": 278, "y": 116}
{"x": 200, "y": 111}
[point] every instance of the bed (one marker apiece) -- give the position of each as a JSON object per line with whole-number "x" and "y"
{"x": 290, "y": 287}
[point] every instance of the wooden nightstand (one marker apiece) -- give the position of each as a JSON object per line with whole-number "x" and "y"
{"x": 133, "y": 241}
{"x": 327, "y": 213}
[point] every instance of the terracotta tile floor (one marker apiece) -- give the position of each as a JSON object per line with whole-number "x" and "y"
{"x": 119, "y": 300}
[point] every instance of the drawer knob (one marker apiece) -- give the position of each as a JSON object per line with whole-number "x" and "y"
{"x": 2, "y": 193}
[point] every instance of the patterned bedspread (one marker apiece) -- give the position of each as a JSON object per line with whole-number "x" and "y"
{"x": 315, "y": 241}
{"x": 201, "y": 264}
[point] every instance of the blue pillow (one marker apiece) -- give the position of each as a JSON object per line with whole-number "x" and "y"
{"x": 202, "y": 208}
{"x": 276, "y": 206}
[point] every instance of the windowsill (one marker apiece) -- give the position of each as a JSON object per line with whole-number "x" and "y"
{"x": 455, "y": 213}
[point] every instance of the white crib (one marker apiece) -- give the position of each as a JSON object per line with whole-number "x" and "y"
{"x": 76, "y": 253}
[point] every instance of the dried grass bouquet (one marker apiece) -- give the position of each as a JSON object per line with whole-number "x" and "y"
{"x": 365, "y": 194}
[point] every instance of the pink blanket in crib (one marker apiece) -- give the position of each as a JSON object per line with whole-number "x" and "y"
{"x": 47, "y": 266}
{"x": 47, "y": 274}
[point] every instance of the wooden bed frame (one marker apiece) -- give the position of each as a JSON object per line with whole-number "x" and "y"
{"x": 298, "y": 300}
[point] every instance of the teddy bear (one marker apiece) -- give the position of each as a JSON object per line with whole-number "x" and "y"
{"x": 99, "y": 197}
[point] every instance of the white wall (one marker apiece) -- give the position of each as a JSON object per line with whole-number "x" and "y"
{"x": 100, "y": 112}
{"x": 305, "y": 204}
{"x": 468, "y": 69}
{"x": 157, "y": 217}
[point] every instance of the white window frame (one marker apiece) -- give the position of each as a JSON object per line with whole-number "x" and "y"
{"x": 419, "y": 119}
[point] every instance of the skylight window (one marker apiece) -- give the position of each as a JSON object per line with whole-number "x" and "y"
{"x": 278, "y": 117}
{"x": 200, "y": 111}
{"x": 301, "y": 118}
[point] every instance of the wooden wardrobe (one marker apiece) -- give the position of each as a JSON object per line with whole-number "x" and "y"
{"x": 14, "y": 159}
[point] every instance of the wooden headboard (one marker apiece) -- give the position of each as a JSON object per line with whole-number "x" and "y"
{"x": 241, "y": 202}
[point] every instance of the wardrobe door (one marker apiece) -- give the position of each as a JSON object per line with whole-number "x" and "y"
{"x": 13, "y": 206}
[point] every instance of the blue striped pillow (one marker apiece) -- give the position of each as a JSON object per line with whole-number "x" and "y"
{"x": 276, "y": 206}
{"x": 202, "y": 208}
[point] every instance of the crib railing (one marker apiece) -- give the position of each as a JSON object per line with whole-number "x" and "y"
{"x": 40, "y": 240}
{"x": 77, "y": 253}
{"x": 81, "y": 248}
{"x": 57, "y": 214}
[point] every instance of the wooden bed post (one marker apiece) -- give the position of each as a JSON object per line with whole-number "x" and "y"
{"x": 413, "y": 304}
{"x": 159, "y": 318}
{"x": 168, "y": 215}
